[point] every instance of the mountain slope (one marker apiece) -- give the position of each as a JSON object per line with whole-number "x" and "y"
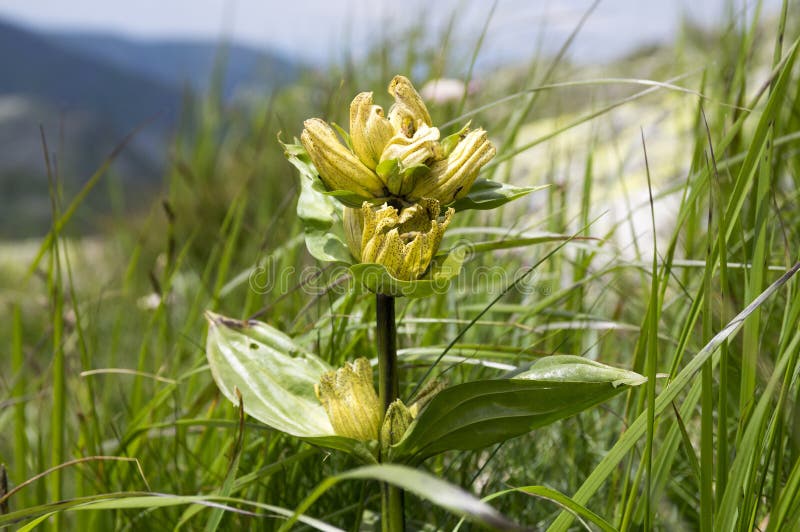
{"x": 37, "y": 68}
{"x": 178, "y": 63}
{"x": 88, "y": 92}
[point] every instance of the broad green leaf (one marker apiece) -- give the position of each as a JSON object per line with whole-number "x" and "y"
{"x": 275, "y": 377}
{"x": 375, "y": 278}
{"x": 486, "y": 194}
{"x": 345, "y": 197}
{"x": 394, "y": 174}
{"x": 327, "y": 246}
{"x": 421, "y": 484}
{"x": 476, "y": 414}
{"x": 570, "y": 368}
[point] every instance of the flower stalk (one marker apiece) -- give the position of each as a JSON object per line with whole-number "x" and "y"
{"x": 392, "y": 507}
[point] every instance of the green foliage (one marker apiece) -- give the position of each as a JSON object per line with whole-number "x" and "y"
{"x": 274, "y": 379}
{"x": 103, "y": 337}
{"x": 368, "y": 277}
{"x": 423, "y": 485}
{"x": 487, "y": 195}
{"x": 474, "y": 415}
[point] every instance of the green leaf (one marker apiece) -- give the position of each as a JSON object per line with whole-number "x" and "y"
{"x": 388, "y": 168}
{"x": 345, "y": 197}
{"x": 424, "y": 485}
{"x": 316, "y": 210}
{"x": 275, "y": 377}
{"x": 449, "y": 143}
{"x": 485, "y": 194}
{"x": 477, "y": 414}
{"x": 555, "y": 496}
{"x": 376, "y": 278}
{"x": 523, "y": 240}
{"x": 344, "y": 134}
{"x": 415, "y": 172}
{"x": 148, "y": 501}
{"x": 570, "y": 368}
{"x": 327, "y": 246}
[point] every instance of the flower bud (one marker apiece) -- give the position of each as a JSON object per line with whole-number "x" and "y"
{"x": 395, "y": 423}
{"x": 370, "y": 131}
{"x": 403, "y": 242}
{"x": 451, "y": 178}
{"x": 338, "y": 167}
{"x": 408, "y": 112}
{"x": 425, "y": 395}
{"x": 400, "y": 156}
{"x": 348, "y": 396}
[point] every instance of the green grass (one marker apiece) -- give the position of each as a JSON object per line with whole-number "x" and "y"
{"x": 105, "y": 391}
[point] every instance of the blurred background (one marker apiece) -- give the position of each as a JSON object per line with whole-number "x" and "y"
{"x": 89, "y": 72}
{"x": 142, "y": 183}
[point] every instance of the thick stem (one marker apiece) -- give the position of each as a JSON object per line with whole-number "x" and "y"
{"x": 392, "y": 510}
{"x": 388, "y": 379}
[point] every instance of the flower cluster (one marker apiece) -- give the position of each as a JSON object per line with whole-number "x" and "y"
{"x": 398, "y": 156}
{"x": 404, "y": 172}
{"x": 403, "y": 241}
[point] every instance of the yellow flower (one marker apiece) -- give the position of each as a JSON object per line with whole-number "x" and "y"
{"x": 408, "y": 111}
{"x": 398, "y": 156}
{"x": 452, "y": 177}
{"x": 338, "y": 167}
{"x": 403, "y": 241}
{"x": 369, "y": 129}
{"x": 348, "y": 396}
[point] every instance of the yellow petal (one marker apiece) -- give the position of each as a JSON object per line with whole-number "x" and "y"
{"x": 338, "y": 167}
{"x": 389, "y": 252}
{"x": 353, "y": 221}
{"x": 409, "y": 111}
{"x": 414, "y": 263}
{"x": 369, "y": 223}
{"x": 452, "y": 178}
{"x": 369, "y": 129}
{"x": 412, "y": 151}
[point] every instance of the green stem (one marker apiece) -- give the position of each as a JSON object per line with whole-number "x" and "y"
{"x": 388, "y": 379}
{"x": 392, "y": 511}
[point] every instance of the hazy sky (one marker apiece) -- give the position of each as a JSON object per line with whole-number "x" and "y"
{"x": 318, "y": 30}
